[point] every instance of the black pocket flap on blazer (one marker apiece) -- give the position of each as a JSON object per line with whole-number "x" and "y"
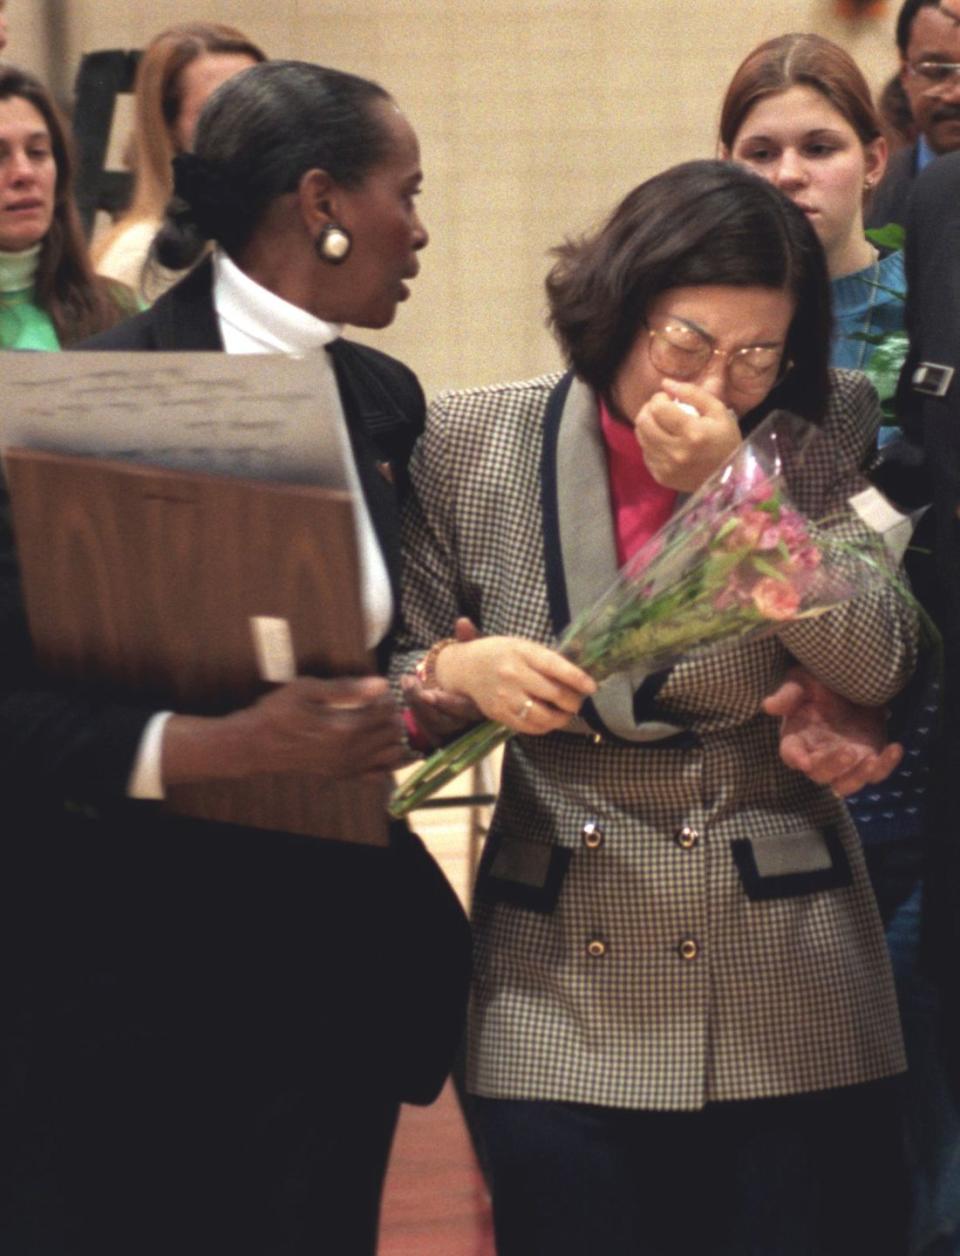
{"x": 785, "y": 865}
{"x": 524, "y": 873}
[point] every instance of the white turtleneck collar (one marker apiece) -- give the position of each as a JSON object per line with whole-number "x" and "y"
{"x": 255, "y": 320}
{"x": 18, "y": 270}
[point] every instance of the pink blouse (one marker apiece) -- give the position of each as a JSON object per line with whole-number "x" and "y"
{"x": 640, "y": 504}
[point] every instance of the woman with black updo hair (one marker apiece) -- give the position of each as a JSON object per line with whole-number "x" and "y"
{"x": 221, "y": 1022}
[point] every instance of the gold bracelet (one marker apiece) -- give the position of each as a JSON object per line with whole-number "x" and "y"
{"x": 426, "y": 670}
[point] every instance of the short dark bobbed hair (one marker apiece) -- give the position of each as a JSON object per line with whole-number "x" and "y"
{"x": 700, "y": 223}
{"x": 256, "y": 137}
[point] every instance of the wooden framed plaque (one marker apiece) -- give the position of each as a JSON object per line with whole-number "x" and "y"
{"x": 147, "y": 581}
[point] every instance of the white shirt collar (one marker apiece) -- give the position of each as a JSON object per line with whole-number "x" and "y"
{"x": 255, "y": 320}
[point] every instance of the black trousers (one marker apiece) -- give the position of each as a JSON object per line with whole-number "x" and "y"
{"x": 808, "y": 1175}
{"x": 205, "y": 1033}
{"x": 941, "y": 902}
{"x": 140, "y": 1147}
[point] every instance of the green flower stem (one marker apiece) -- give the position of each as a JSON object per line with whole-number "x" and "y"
{"x": 446, "y": 764}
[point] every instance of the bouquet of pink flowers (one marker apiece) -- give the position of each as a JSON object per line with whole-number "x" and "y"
{"x": 734, "y": 563}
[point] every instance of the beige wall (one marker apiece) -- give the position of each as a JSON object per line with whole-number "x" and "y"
{"x": 534, "y": 117}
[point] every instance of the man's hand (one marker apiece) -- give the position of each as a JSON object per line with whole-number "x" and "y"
{"x": 833, "y": 741}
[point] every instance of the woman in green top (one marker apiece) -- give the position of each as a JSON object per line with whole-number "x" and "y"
{"x": 49, "y": 294}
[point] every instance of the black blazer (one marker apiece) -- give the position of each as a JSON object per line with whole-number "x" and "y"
{"x": 319, "y": 957}
{"x": 933, "y": 323}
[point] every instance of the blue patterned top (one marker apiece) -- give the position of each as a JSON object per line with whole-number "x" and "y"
{"x": 860, "y": 305}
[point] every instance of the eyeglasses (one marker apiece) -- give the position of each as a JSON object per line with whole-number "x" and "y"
{"x": 935, "y": 71}
{"x": 683, "y": 352}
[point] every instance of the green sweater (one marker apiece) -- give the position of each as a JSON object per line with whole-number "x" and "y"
{"x": 23, "y": 325}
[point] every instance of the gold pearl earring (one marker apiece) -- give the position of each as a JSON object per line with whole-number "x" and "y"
{"x": 333, "y": 244}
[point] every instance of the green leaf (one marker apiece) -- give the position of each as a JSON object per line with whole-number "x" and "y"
{"x": 719, "y": 565}
{"x": 893, "y": 348}
{"x": 728, "y": 526}
{"x": 889, "y": 236}
{"x": 767, "y": 568}
{"x": 883, "y": 368}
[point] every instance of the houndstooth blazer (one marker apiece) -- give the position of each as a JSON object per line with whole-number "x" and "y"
{"x": 665, "y": 914}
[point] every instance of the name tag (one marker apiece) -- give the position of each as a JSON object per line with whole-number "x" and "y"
{"x": 932, "y": 379}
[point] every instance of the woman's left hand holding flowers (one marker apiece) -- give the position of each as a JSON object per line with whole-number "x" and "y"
{"x": 682, "y": 448}
{"x": 528, "y": 687}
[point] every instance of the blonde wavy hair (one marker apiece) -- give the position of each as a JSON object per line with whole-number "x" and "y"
{"x": 157, "y": 103}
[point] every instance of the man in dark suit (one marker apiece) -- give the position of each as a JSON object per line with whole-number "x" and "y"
{"x": 833, "y": 741}
{"x": 928, "y": 37}
{"x": 929, "y": 404}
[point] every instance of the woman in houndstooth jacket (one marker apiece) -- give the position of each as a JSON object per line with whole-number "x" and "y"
{"x": 683, "y": 1030}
